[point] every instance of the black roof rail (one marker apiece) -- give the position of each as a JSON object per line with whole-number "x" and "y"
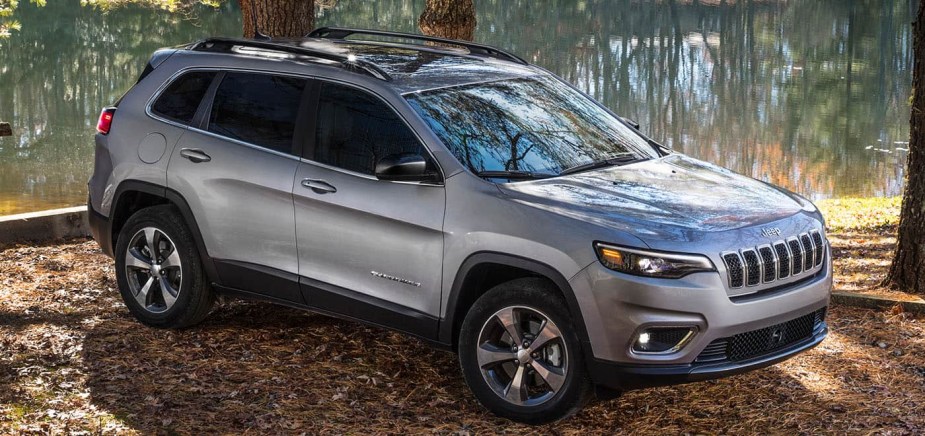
{"x": 474, "y": 48}
{"x": 348, "y": 62}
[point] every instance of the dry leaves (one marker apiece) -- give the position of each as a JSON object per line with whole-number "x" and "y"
{"x": 73, "y": 361}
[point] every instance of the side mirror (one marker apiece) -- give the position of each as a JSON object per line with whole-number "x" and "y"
{"x": 631, "y": 122}
{"x": 404, "y": 167}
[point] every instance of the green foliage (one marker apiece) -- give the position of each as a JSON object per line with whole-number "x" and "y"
{"x": 860, "y": 214}
{"x": 8, "y": 7}
{"x": 166, "y": 5}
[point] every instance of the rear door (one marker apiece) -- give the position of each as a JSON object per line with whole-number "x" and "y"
{"x": 368, "y": 248}
{"x": 234, "y": 167}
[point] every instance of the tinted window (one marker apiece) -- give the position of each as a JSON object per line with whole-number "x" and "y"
{"x": 355, "y": 130}
{"x": 539, "y": 125}
{"x": 181, "y": 99}
{"x": 257, "y": 108}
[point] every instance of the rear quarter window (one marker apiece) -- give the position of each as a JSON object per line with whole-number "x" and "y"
{"x": 181, "y": 99}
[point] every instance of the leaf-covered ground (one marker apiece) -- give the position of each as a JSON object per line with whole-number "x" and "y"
{"x": 73, "y": 360}
{"x": 862, "y": 232}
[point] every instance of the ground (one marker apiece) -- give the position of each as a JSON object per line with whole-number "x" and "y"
{"x": 73, "y": 360}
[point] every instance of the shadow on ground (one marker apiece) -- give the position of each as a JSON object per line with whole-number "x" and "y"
{"x": 259, "y": 367}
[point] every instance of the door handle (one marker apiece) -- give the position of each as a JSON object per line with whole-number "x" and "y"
{"x": 319, "y": 186}
{"x": 195, "y": 155}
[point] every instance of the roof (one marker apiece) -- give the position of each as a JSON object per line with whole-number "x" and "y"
{"x": 406, "y": 67}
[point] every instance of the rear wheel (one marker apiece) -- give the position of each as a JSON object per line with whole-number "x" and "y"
{"x": 159, "y": 270}
{"x": 520, "y": 355}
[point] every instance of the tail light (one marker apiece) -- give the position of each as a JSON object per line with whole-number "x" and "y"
{"x": 105, "y": 122}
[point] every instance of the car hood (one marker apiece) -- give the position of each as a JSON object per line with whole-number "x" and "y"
{"x": 671, "y": 198}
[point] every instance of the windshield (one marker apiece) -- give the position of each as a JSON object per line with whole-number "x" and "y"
{"x": 536, "y": 125}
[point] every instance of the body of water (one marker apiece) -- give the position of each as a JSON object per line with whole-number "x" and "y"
{"x": 812, "y": 95}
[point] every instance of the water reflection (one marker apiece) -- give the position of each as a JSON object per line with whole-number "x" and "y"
{"x": 809, "y": 94}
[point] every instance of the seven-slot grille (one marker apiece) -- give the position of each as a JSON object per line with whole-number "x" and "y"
{"x": 766, "y": 263}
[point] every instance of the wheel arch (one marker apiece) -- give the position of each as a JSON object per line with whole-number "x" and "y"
{"x": 474, "y": 278}
{"x": 134, "y": 195}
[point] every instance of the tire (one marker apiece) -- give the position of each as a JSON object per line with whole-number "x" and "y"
{"x": 553, "y": 371}
{"x": 178, "y": 294}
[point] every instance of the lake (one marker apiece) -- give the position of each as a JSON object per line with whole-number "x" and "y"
{"x": 812, "y": 95}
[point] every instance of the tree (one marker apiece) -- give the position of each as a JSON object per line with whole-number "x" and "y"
{"x": 278, "y": 18}
{"x": 908, "y": 269}
{"x": 454, "y": 19}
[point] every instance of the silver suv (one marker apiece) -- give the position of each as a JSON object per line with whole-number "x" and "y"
{"x": 454, "y": 192}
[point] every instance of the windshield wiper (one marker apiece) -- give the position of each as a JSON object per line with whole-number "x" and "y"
{"x": 618, "y": 160}
{"x": 513, "y": 175}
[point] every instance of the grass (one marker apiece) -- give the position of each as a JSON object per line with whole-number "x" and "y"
{"x": 72, "y": 360}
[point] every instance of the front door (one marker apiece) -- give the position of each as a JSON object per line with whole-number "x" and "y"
{"x": 368, "y": 248}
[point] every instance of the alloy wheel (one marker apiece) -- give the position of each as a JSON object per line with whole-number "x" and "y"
{"x": 154, "y": 270}
{"x": 522, "y": 356}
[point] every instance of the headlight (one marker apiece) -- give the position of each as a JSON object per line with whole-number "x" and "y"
{"x": 651, "y": 263}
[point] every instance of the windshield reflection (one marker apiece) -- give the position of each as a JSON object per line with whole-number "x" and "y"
{"x": 537, "y": 125}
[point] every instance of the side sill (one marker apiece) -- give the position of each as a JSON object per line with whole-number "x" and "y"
{"x": 335, "y": 300}
{"x": 258, "y": 279}
{"x": 352, "y": 306}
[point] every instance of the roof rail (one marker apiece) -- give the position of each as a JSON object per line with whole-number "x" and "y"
{"x": 347, "y": 61}
{"x": 474, "y": 48}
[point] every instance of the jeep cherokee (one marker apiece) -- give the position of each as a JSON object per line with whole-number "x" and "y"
{"x": 454, "y": 192}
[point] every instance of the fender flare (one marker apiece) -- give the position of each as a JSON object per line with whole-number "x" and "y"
{"x": 176, "y": 199}
{"x": 447, "y": 325}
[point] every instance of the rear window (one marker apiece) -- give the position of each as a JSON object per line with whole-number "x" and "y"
{"x": 258, "y": 109}
{"x": 181, "y": 99}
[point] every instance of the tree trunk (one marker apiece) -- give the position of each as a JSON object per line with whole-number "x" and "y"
{"x": 453, "y": 19}
{"x": 278, "y": 18}
{"x": 908, "y": 269}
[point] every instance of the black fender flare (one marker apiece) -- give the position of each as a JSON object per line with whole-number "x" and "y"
{"x": 177, "y": 200}
{"x": 447, "y": 325}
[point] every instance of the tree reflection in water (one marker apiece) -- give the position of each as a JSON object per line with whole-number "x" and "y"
{"x": 808, "y": 94}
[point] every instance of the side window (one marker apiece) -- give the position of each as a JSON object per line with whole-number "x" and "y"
{"x": 259, "y": 109}
{"x": 355, "y": 130}
{"x": 181, "y": 99}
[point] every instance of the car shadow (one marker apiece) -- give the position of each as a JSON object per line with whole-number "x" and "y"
{"x": 256, "y": 366}
{"x": 259, "y": 367}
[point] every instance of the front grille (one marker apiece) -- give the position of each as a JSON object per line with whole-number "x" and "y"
{"x": 796, "y": 252}
{"x": 715, "y": 352}
{"x": 757, "y": 343}
{"x": 809, "y": 252}
{"x": 767, "y": 258}
{"x": 734, "y": 267}
{"x": 783, "y": 259}
{"x": 817, "y": 239}
{"x": 752, "y": 266}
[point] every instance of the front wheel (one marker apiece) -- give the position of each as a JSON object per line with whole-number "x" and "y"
{"x": 520, "y": 355}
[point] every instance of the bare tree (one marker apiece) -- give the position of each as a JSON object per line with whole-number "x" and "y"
{"x": 908, "y": 269}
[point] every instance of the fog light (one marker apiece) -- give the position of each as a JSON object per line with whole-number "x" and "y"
{"x": 662, "y": 339}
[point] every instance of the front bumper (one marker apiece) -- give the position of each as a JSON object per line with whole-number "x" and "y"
{"x": 625, "y": 377}
{"x": 617, "y": 307}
